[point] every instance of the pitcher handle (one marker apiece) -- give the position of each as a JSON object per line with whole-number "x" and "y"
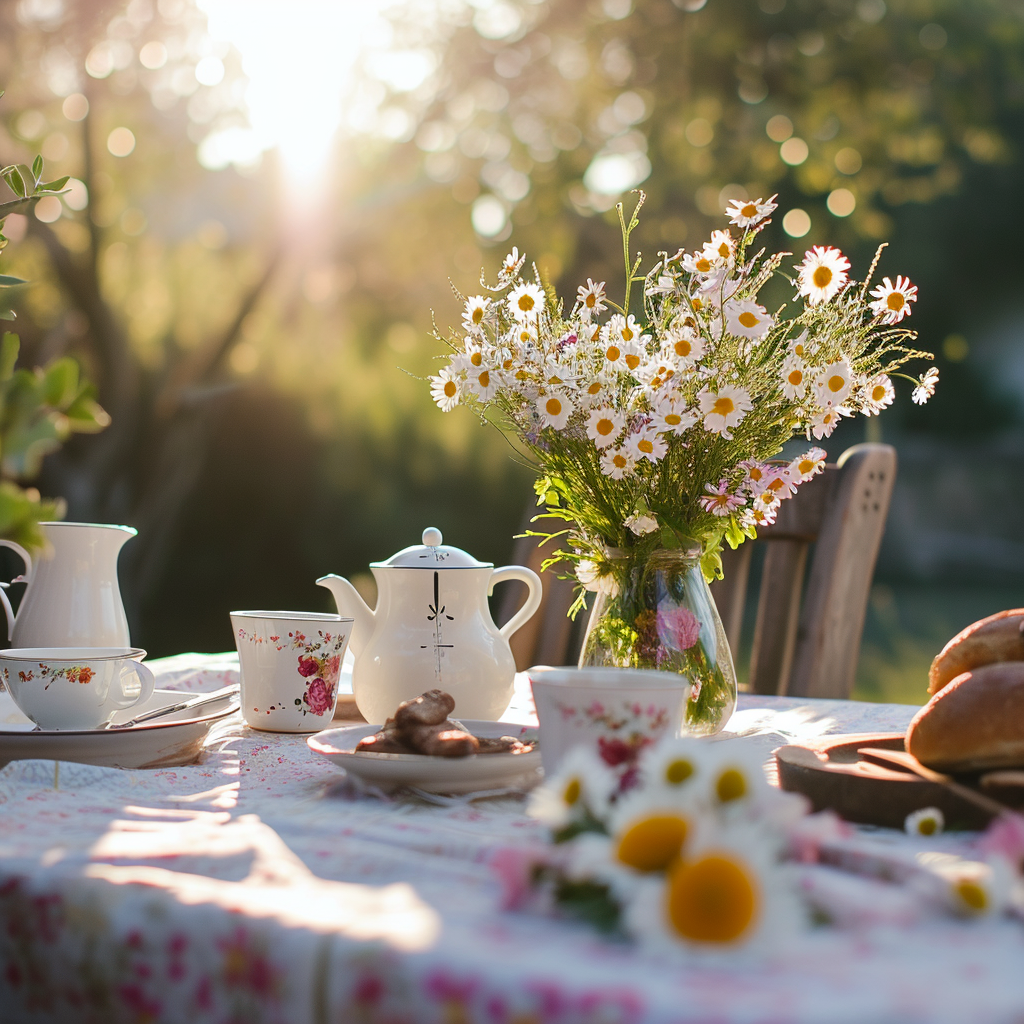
{"x": 146, "y": 679}
{"x": 533, "y": 599}
{"x": 23, "y": 578}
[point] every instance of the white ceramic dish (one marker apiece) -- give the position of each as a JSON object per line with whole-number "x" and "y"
{"x": 473, "y": 774}
{"x": 176, "y": 739}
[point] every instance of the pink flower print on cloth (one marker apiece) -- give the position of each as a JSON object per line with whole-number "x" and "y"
{"x": 678, "y": 628}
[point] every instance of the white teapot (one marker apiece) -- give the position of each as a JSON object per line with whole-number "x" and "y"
{"x": 432, "y": 628}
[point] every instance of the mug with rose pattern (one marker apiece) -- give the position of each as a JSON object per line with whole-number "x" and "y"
{"x": 290, "y": 665}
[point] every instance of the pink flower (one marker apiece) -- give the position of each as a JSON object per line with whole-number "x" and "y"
{"x": 307, "y": 666}
{"x": 333, "y": 667}
{"x": 1005, "y": 838}
{"x": 615, "y": 751}
{"x": 678, "y": 628}
{"x": 719, "y": 501}
{"x": 318, "y": 696}
{"x": 514, "y": 868}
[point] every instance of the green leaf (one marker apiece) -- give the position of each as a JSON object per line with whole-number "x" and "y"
{"x": 590, "y": 902}
{"x": 6, "y": 281}
{"x": 10, "y": 345}
{"x": 37, "y": 169}
{"x": 8, "y": 314}
{"x": 54, "y": 186}
{"x": 12, "y": 175}
{"x": 60, "y": 382}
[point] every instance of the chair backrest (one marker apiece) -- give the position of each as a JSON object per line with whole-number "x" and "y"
{"x": 805, "y": 647}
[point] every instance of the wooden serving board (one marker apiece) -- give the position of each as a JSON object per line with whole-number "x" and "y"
{"x": 834, "y": 774}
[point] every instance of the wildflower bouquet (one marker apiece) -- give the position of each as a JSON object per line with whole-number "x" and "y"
{"x": 655, "y": 431}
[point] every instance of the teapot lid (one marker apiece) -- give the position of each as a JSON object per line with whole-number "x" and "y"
{"x": 432, "y": 554}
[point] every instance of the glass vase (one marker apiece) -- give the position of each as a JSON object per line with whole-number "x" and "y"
{"x": 662, "y": 616}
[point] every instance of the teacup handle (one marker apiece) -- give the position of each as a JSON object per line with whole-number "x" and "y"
{"x": 533, "y": 599}
{"x": 146, "y": 678}
{"x": 27, "y": 559}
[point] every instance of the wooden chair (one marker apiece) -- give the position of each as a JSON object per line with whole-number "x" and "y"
{"x": 806, "y": 637}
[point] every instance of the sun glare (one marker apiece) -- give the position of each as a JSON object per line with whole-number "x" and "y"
{"x": 298, "y": 58}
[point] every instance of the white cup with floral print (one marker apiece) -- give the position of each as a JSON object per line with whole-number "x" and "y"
{"x": 617, "y": 712}
{"x": 290, "y": 665}
{"x": 75, "y": 687}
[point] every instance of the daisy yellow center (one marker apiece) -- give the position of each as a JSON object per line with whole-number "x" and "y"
{"x": 776, "y": 485}
{"x": 627, "y": 334}
{"x": 731, "y": 785}
{"x": 721, "y": 500}
{"x": 595, "y": 388}
{"x": 526, "y": 302}
{"x": 553, "y": 406}
{"x": 605, "y": 427}
{"x": 895, "y": 300}
{"x": 591, "y": 301}
{"x": 796, "y": 377}
{"x": 450, "y": 388}
{"x": 724, "y": 250}
{"x": 836, "y": 383}
{"x": 683, "y": 347}
{"x": 476, "y": 358}
{"x": 724, "y": 406}
{"x": 713, "y": 899}
{"x": 632, "y": 360}
{"x": 878, "y": 392}
{"x": 750, "y": 210}
{"x": 653, "y": 843}
{"x": 799, "y": 350}
{"x": 821, "y": 277}
{"x": 478, "y": 314}
{"x": 748, "y": 319}
{"x": 620, "y": 461}
{"x": 678, "y": 771}
{"x": 645, "y": 445}
{"x": 485, "y": 379}
{"x": 572, "y": 792}
{"x": 805, "y": 466}
{"x": 703, "y": 265}
{"x": 698, "y": 304}
{"x": 612, "y": 354}
{"x": 673, "y": 419}
{"x": 973, "y": 895}
{"x": 521, "y": 374}
{"x": 926, "y": 826}
{"x": 508, "y": 364}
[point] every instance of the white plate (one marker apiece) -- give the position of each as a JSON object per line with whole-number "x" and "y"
{"x": 472, "y": 774}
{"x": 176, "y": 739}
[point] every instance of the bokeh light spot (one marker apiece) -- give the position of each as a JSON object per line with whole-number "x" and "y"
{"x": 796, "y": 223}
{"x": 841, "y": 202}
{"x": 488, "y": 216}
{"x": 121, "y": 142}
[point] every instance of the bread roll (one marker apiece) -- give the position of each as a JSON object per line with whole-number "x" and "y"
{"x": 973, "y": 724}
{"x": 997, "y": 638}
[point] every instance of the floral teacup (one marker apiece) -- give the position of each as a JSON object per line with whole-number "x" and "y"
{"x": 617, "y": 712}
{"x": 75, "y": 687}
{"x": 290, "y": 664}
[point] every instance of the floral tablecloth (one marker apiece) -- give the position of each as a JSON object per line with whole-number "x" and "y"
{"x": 260, "y": 886}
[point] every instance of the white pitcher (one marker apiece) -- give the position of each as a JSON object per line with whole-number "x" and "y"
{"x": 72, "y": 599}
{"x": 432, "y": 628}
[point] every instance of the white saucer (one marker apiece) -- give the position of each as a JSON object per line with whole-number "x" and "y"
{"x": 176, "y": 739}
{"x": 472, "y": 774}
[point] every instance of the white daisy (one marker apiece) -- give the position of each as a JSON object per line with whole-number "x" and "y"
{"x": 672, "y": 417}
{"x": 974, "y": 888}
{"x": 582, "y": 784}
{"x": 525, "y": 302}
{"x": 877, "y": 394}
{"x": 594, "y": 392}
{"x": 755, "y": 475}
{"x": 657, "y": 372}
{"x": 724, "y": 409}
{"x": 745, "y": 213}
{"x": 591, "y": 298}
{"x": 613, "y": 348}
{"x": 827, "y": 420}
{"x": 590, "y": 857}
{"x": 627, "y": 329}
{"x": 646, "y": 444}
{"x": 720, "y": 500}
{"x": 925, "y": 386}
{"x": 834, "y": 383}
{"x": 893, "y": 300}
{"x": 604, "y": 426}
{"x": 590, "y": 574}
{"x": 800, "y": 346}
{"x": 510, "y": 265}
{"x": 794, "y": 378}
{"x": 745, "y": 318}
{"x": 633, "y": 354}
{"x": 780, "y": 481}
{"x": 807, "y": 466}
{"x": 641, "y": 524}
{"x": 554, "y": 409}
{"x": 701, "y": 262}
{"x": 471, "y": 357}
{"x": 822, "y": 274}
{"x": 446, "y": 389}
{"x": 684, "y": 344}
{"x": 482, "y": 382}
{"x": 665, "y": 283}
{"x": 652, "y": 829}
{"x": 758, "y": 515}
{"x": 722, "y": 246}
{"x": 475, "y": 312}
{"x": 675, "y": 764}
{"x": 928, "y": 821}
{"x": 617, "y": 463}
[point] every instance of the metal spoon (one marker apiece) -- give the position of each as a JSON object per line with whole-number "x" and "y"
{"x": 199, "y": 700}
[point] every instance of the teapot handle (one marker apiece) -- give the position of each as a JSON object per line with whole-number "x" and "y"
{"x": 23, "y": 578}
{"x": 532, "y": 603}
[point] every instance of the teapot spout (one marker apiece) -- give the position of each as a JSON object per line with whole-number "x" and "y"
{"x": 350, "y": 605}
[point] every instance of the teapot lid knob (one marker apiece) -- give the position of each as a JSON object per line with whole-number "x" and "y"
{"x": 432, "y": 537}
